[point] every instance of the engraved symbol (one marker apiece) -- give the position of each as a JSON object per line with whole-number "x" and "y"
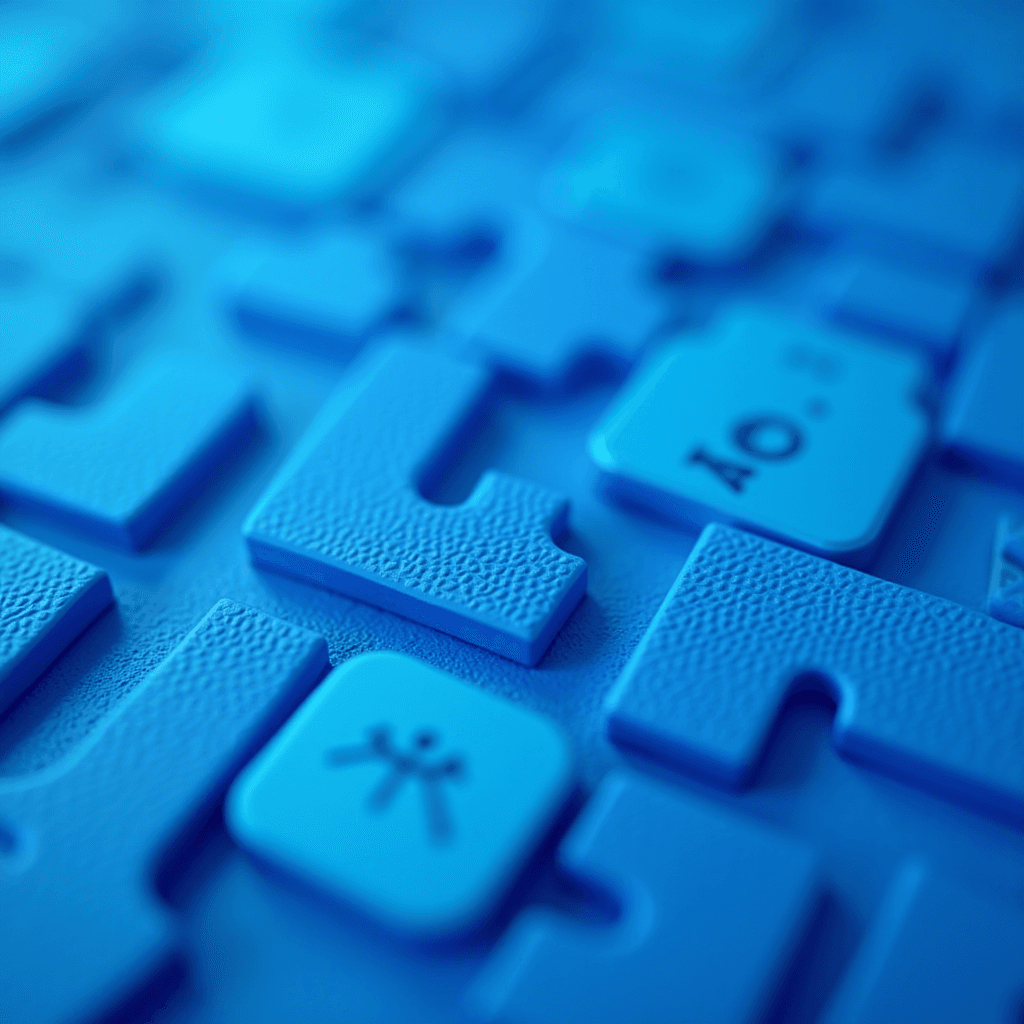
{"x": 771, "y": 438}
{"x": 732, "y": 474}
{"x": 405, "y": 765}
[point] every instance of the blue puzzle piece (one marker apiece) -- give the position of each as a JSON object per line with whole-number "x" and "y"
{"x": 345, "y": 512}
{"x": 712, "y": 908}
{"x": 555, "y": 295}
{"x": 1006, "y": 584}
{"x": 984, "y": 421}
{"x": 329, "y": 290}
{"x": 404, "y": 791}
{"x": 927, "y": 690}
{"x": 96, "y": 825}
{"x": 122, "y": 468}
{"x": 47, "y": 599}
{"x": 935, "y": 954}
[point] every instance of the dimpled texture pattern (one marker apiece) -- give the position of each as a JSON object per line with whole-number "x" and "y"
{"x": 92, "y": 828}
{"x": 46, "y": 599}
{"x": 927, "y": 689}
{"x": 345, "y": 513}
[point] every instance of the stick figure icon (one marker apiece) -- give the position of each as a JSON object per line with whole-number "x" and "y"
{"x": 405, "y": 765}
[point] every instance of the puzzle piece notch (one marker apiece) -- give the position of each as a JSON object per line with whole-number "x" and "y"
{"x": 713, "y": 908}
{"x": 122, "y": 467}
{"x": 935, "y": 954}
{"x": 47, "y": 599}
{"x": 554, "y": 295}
{"x": 1006, "y": 586}
{"x": 346, "y": 513}
{"x": 101, "y": 818}
{"x": 927, "y": 690}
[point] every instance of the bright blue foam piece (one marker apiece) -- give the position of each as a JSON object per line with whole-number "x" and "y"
{"x": 1006, "y": 584}
{"x": 908, "y": 302}
{"x": 122, "y": 468}
{"x": 330, "y": 289}
{"x": 712, "y": 908}
{"x": 95, "y": 827}
{"x": 555, "y": 295}
{"x": 707, "y": 196}
{"x": 984, "y": 422}
{"x": 935, "y": 954}
{"x": 345, "y": 512}
{"x": 927, "y": 690}
{"x": 798, "y": 431}
{"x": 404, "y": 791}
{"x": 47, "y": 599}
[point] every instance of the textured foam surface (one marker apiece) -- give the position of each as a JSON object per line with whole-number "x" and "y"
{"x": 47, "y": 599}
{"x": 686, "y": 875}
{"x": 345, "y": 513}
{"x": 121, "y": 468}
{"x": 92, "y": 828}
{"x": 926, "y": 689}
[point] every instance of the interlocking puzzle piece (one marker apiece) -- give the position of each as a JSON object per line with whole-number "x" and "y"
{"x": 330, "y": 289}
{"x": 912, "y": 303}
{"x": 984, "y": 422}
{"x": 96, "y": 825}
{"x": 935, "y": 954}
{"x": 122, "y": 467}
{"x": 799, "y": 431}
{"x": 290, "y": 126}
{"x": 703, "y": 195}
{"x": 47, "y": 599}
{"x": 927, "y": 690}
{"x": 404, "y": 791}
{"x": 554, "y": 296}
{"x": 345, "y": 512}
{"x": 712, "y": 908}
{"x": 1006, "y": 585}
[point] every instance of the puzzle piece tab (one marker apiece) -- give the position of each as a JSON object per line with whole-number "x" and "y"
{"x": 935, "y": 954}
{"x": 404, "y": 791}
{"x": 798, "y": 431}
{"x": 927, "y": 690}
{"x": 47, "y": 599}
{"x": 712, "y": 908}
{"x": 121, "y": 468}
{"x": 97, "y": 823}
{"x": 345, "y": 512}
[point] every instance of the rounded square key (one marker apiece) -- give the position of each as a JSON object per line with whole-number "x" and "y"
{"x": 798, "y": 431}
{"x": 404, "y": 791}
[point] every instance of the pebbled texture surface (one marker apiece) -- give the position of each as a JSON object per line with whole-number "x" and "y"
{"x": 91, "y": 828}
{"x": 345, "y": 513}
{"x": 687, "y": 876}
{"x": 926, "y": 688}
{"x": 46, "y": 599}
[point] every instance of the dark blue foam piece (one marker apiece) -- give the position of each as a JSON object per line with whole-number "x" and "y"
{"x": 936, "y": 954}
{"x": 712, "y": 908}
{"x": 345, "y": 513}
{"x": 927, "y": 690}
{"x": 47, "y": 599}
{"x": 984, "y": 422}
{"x": 92, "y": 828}
{"x": 328, "y": 290}
{"x": 555, "y": 295}
{"x": 120, "y": 469}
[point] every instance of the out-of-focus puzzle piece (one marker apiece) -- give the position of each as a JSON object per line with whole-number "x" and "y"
{"x": 345, "y": 512}
{"x": 404, "y": 791}
{"x": 94, "y": 827}
{"x": 927, "y": 690}
{"x": 121, "y": 468}
{"x": 47, "y": 599}
{"x": 984, "y": 421}
{"x": 935, "y": 954}
{"x": 800, "y": 431}
{"x": 703, "y": 195}
{"x": 688, "y": 877}
{"x": 554, "y": 295}
{"x": 1006, "y": 584}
